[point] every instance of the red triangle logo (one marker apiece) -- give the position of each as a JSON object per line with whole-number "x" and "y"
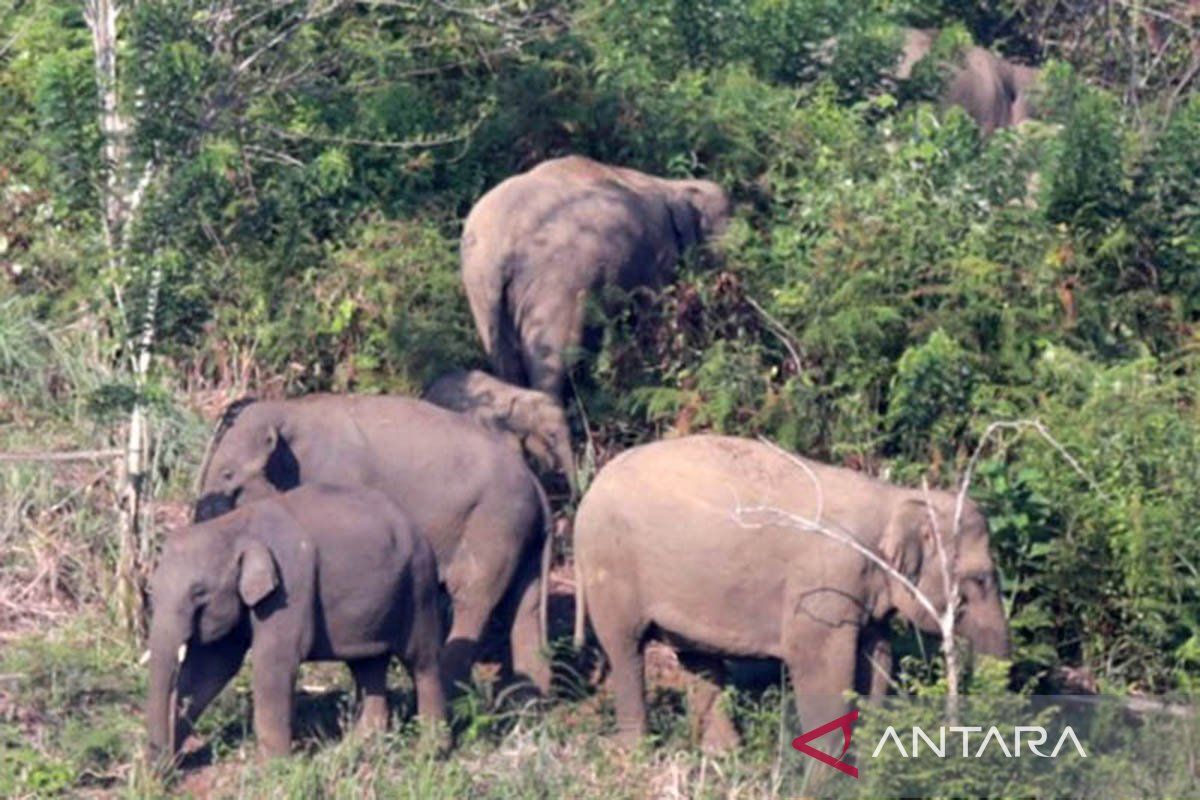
{"x": 844, "y": 722}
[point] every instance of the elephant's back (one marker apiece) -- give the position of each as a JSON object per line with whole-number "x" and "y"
{"x": 725, "y": 478}
{"x": 381, "y": 532}
{"x": 563, "y": 214}
{"x": 436, "y": 465}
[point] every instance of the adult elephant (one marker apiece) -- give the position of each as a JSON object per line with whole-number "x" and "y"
{"x": 995, "y": 92}
{"x": 465, "y": 489}
{"x": 538, "y": 244}
{"x": 700, "y": 541}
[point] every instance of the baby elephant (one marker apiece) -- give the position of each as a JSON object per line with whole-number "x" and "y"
{"x": 534, "y": 418}
{"x": 314, "y": 574}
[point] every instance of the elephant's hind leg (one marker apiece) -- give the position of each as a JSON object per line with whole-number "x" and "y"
{"x": 370, "y": 679}
{"x": 550, "y": 337}
{"x": 477, "y": 579}
{"x": 711, "y": 726}
{"x": 529, "y": 659}
{"x": 617, "y": 623}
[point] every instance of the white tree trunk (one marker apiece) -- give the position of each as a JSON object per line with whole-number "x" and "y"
{"x": 120, "y": 199}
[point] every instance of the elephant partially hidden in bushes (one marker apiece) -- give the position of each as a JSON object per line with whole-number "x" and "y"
{"x": 538, "y": 244}
{"x": 535, "y": 420}
{"x": 467, "y": 492}
{"x": 314, "y": 574}
{"x": 686, "y": 540}
{"x": 994, "y": 91}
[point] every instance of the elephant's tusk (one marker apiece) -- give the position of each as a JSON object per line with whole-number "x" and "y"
{"x": 182, "y": 652}
{"x": 144, "y": 659}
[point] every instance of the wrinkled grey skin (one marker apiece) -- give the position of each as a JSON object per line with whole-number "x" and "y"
{"x": 661, "y": 549}
{"x": 994, "y": 91}
{"x": 536, "y": 421}
{"x": 315, "y": 574}
{"x": 536, "y": 246}
{"x": 466, "y": 490}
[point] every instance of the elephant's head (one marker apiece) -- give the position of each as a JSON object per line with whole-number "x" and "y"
{"x": 206, "y": 580}
{"x": 699, "y": 209}
{"x": 541, "y": 424}
{"x": 916, "y": 45}
{"x": 249, "y": 458}
{"x": 910, "y": 546}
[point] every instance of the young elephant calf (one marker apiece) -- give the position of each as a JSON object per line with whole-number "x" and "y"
{"x": 314, "y": 574}
{"x": 535, "y": 419}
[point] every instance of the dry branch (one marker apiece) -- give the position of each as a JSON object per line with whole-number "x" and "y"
{"x": 63, "y": 456}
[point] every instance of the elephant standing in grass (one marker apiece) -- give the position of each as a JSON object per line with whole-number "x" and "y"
{"x": 316, "y": 574}
{"x": 536, "y": 421}
{"x": 668, "y": 543}
{"x": 995, "y": 92}
{"x": 466, "y": 490}
{"x": 536, "y": 246}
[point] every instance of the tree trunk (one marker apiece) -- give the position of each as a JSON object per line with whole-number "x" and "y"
{"x": 120, "y": 199}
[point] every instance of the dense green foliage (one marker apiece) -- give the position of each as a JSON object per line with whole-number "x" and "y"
{"x": 892, "y": 284}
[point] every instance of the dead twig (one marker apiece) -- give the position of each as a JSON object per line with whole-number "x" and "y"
{"x": 60, "y": 457}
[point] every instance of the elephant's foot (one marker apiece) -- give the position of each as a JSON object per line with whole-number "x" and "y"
{"x": 628, "y": 738}
{"x": 372, "y": 720}
{"x": 719, "y": 735}
{"x": 435, "y": 738}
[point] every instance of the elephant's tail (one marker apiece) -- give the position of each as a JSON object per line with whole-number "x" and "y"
{"x": 547, "y": 558}
{"x": 580, "y": 606}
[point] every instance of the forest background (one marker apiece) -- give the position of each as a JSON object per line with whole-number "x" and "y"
{"x": 206, "y": 199}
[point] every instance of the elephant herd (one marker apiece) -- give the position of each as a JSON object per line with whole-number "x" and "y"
{"x": 363, "y": 528}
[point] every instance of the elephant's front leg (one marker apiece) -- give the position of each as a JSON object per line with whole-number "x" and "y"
{"x": 274, "y": 684}
{"x": 207, "y": 670}
{"x": 874, "y": 669}
{"x": 821, "y": 656}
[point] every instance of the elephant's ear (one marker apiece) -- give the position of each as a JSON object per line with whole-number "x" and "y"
{"x": 257, "y": 574}
{"x": 685, "y": 220}
{"x": 905, "y": 538}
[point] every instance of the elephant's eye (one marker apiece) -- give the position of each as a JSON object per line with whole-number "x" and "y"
{"x": 227, "y": 475}
{"x": 198, "y": 593}
{"x": 982, "y": 581}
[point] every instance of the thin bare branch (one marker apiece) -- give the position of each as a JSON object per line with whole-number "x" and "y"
{"x": 60, "y": 457}
{"x": 390, "y": 144}
{"x": 812, "y": 475}
{"x": 780, "y": 332}
{"x": 1016, "y": 425}
{"x": 777, "y": 516}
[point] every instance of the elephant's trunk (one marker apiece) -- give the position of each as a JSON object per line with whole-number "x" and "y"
{"x": 992, "y": 643}
{"x": 987, "y": 630}
{"x": 162, "y": 704}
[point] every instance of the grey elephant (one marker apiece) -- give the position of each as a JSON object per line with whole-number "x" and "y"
{"x": 466, "y": 490}
{"x": 535, "y": 420}
{"x": 690, "y": 540}
{"x": 995, "y": 92}
{"x": 315, "y": 574}
{"x": 539, "y": 244}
